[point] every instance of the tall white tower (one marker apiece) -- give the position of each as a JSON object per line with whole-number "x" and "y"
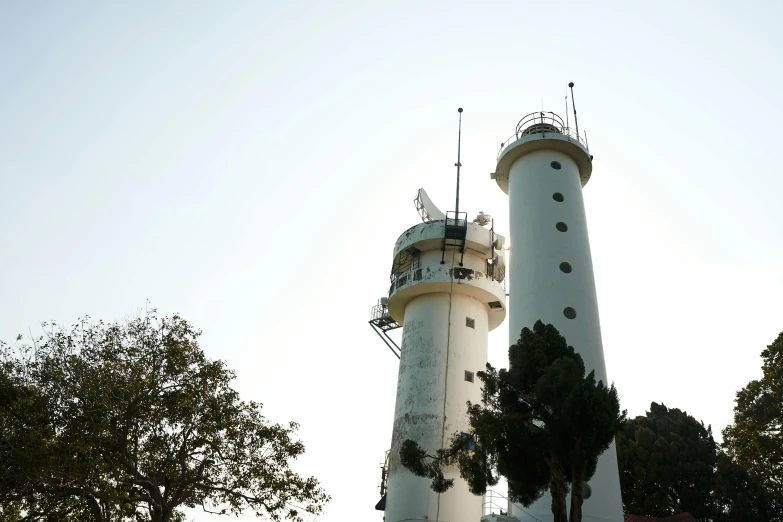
{"x": 543, "y": 168}
{"x": 446, "y": 293}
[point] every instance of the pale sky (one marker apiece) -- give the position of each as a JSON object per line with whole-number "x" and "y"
{"x": 251, "y": 164}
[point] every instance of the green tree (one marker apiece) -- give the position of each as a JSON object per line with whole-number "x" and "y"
{"x": 755, "y": 440}
{"x": 666, "y": 460}
{"x": 669, "y": 463}
{"x": 542, "y": 425}
{"x": 46, "y": 473}
{"x": 131, "y": 421}
{"x": 26, "y": 449}
{"x": 737, "y": 497}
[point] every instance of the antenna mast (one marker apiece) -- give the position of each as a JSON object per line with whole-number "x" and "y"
{"x": 573, "y": 103}
{"x": 458, "y": 164}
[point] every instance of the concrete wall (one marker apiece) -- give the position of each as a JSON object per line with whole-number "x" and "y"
{"x": 437, "y": 349}
{"x": 433, "y": 303}
{"x": 539, "y": 289}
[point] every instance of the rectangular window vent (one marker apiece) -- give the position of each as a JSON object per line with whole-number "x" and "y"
{"x": 470, "y": 323}
{"x": 495, "y": 304}
{"x": 468, "y": 376}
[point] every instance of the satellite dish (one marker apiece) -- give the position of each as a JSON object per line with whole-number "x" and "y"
{"x": 426, "y": 208}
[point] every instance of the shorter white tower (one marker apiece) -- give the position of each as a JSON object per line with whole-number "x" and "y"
{"x": 447, "y": 293}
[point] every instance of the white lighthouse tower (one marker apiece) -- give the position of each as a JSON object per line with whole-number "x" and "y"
{"x": 447, "y": 302}
{"x": 447, "y": 293}
{"x": 543, "y": 168}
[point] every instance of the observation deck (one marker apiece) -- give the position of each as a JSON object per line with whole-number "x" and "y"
{"x": 417, "y": 268}
{"x": 540, "y": 131}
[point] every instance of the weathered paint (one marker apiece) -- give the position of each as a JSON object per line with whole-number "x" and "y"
{"x": 540, "y": 290}
{"x": 428, "y": 237}
{"x": 432, "y": 302}
{"x": 437, "y": 348}
{"x": 468, "y": 280}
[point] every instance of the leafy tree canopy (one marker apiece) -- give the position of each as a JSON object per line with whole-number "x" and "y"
{"x": 116, "y": 422}
{"x": 666, "y": 460}
{"x": 737, "y": 496}
{"x": 669, "y": 463}
{"x": 542, "y": 424}
{"x": 755, "y": 440}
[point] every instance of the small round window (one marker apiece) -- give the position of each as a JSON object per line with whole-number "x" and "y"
{"x": 555, "y": 165}
{"x": 558, "y": 197}
{"x": 565, "y": 267}
{"x": 569, "y": 312}
{"x": 562, "y": 227}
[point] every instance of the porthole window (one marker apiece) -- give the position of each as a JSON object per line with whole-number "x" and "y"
{"x": 555, "y": 165}
{"x": 565, "y": 267}
{"x": 558, "y": 197}
{"x": 569, "y": 312}
{"x": 562, "y": 227}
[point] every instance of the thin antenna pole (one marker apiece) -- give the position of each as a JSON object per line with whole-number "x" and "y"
{"x": 573, "y": 103}
{"x": 458, "y": 164}
{"x": 568, "y": 127}
{"x": 492, "y": 242}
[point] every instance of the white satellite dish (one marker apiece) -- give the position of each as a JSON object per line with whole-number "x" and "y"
{"x": 426, "y": 208}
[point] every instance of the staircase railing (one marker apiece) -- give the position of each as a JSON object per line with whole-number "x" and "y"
{"x": 494, "y": 502}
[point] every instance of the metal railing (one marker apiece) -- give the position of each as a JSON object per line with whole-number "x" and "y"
{"x": 542, "y": 123}
{"x": 384, "y": 473}
{"x": 379, "y": 311}
{"x": 381, "y": 323}
{"x": 459, "y": 220}
{"x": 494, "y": 502}
{"x": 406, "y": 262}
{"x": 497, "y": 273}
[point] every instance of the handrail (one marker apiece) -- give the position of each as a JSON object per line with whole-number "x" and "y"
{"x": 456, "y": 219}
{"x": 379, "y": 311}
{"x": 421, "y": 519}
{"x": 540, "y": 123}
{"x": 489, "y": 503}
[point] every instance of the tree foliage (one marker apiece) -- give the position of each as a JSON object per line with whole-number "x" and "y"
{"x": 542, "y": 425}
{"x": 669, "y": 463}
{"x": 666, "y": 460}
{"x": 755, "y": 440}
{"x": 132, "y": 422}
{"x": 738, "y": 497}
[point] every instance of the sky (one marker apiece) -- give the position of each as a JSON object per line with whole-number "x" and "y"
{"x": 250, "y": 166}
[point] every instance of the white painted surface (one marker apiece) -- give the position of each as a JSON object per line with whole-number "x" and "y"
{"x": 433, "y": 304}
{"x": 540, "y": 290}
{"x": 440, "y": 278}
{"x": 535, "y": 142}
{"x": 428, "y": 238}
{"x": 437, "y": 348}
